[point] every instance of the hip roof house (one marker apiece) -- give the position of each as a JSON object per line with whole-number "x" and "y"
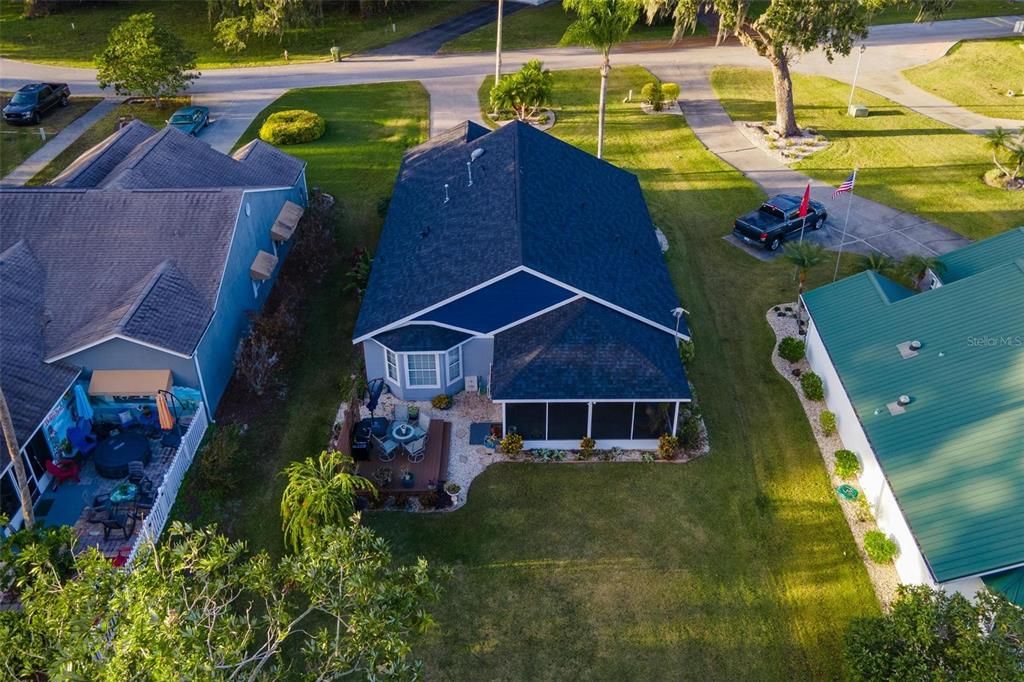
{"x": 140, "y": 256}
{"x": 944, "y": 472}
{"x": 532, "y": 266}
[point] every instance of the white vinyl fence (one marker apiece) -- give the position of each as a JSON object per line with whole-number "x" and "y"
{"x": 154, "y": 523}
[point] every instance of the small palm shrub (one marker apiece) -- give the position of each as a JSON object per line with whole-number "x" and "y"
{"x": 511, "y": 444}
{"x": 587, "y": 445}
{"x": 669, "y": 92}
{"x": 847, "y": 464}
{"x": 294, "y": 126}
{"x": 441, "y": 402}
{"x": 792, "y": 349}
{"x": 828, "y": 422}
{"x": 668, "y": 446}
{"x": 813, "y": 388}
{"x": 879, "y": 547}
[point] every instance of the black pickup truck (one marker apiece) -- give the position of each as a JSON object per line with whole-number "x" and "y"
{"x": 29, "y": 103}
{"x": 778, "y": 218}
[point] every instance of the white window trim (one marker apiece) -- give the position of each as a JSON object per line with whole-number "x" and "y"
{"x": 387, "y": 365}
{"x": 437, "y": 371}
{"x": 448, "y": 364}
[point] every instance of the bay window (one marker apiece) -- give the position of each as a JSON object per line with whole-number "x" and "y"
{"x": 422, "y": 370}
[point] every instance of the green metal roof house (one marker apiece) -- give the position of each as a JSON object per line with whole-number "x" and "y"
{"x": 944, "y": 472}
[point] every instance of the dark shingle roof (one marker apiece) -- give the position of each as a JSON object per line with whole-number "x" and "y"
{"x": 30, "y": 385}
{"x": 90, "y": 168}
{"x": 585, "y": 350}
{"x": 421, "y": 337}
{"x": 536, "y": 202}
{"x": 111, "y": 258}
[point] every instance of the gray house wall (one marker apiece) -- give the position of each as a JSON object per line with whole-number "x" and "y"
{"x": 477, "y": 355}
{"x": 121, "y": 354}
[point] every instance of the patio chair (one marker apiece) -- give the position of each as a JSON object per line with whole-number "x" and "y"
{"x": 401, "y": 412}
{"x": 417, "y": 450}
{"x": 82, "y": 438}
{"x": 385, "y": 447}
{"x": 136, "y": 472}
{"x": 122, "y": 521}
{"x": 424, "y": 421}
{"x": 68, "y": 471}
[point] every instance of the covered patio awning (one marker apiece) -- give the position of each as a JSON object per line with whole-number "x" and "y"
{"x": 111, "y": 382}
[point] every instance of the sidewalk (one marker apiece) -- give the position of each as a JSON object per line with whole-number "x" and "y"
{"x": 58, "y": 143}
{"x": 452, "y": 101}
{"x": 872, "y": 226}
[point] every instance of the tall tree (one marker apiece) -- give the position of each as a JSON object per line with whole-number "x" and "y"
{"x": 144, "y": 58}
{"x": 14, "y": 450}
{"x": 934, "y": 635}
{"x": 497, "y": 46}
{"x": 601, "y": 24}
{"x": 201, "y": 607}
{"x": 805, "y": 256}
{"x": 786, "y": 29}
{"x": 320, "y": 492}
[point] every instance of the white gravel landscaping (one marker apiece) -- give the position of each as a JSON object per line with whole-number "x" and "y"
{"x": 883, "y": 576}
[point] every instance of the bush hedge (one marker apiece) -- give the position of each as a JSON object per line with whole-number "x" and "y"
{"x": 847, "y": 464}
{"x": 669, "y": 92}
{"x": 792, "y": 349}
{"x": 294, "y": 126}
{"x": 813, "y": 388}
{"x": 879, "y": 547}
{"x": 828, "y": 422}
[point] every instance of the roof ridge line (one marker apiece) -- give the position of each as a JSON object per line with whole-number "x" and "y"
{"x": 517, "y": 186}
{"x": 154, "y": 276}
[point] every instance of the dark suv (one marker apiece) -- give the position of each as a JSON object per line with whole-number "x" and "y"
{"x": 29, "y": 103}
{"x": 777, "y": 218}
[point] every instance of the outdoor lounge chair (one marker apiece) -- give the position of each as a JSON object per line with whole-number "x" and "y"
{"x": 136, "y": 472}
{"x": 82, "y": 438}
{"x": 385, "y": 447}
{"x": 68, "y": 471}
{"x": 417, "y": 450}
{"x": 121, "y": 521}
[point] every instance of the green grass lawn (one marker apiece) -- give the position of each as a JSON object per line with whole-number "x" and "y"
{"x": 368, "y": 129}
{"x": 51, "y": 39}
{"x": 736, "y": 566}
{"x": 906, "y": 160}
{"x": 17, "y": 143}
{"x": 536, "y": 27}
{"x": 976, "y": 74}
{"x": 906, "y": 13}
{"x": 105, "y": 127}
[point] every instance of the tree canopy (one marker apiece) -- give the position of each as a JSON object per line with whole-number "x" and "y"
{"x": 525, "y": 91}
{"x": 145, "y": 58}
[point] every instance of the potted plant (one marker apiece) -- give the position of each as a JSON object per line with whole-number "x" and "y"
{"x": 414, "y": 413}
{"x": 408, "y": 478}
{"x": 453, "y": 490}
{"x": 442, "y": 401}
{"x": 382, "y": 476}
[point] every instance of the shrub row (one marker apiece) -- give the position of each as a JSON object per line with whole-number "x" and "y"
{"x": 294, "y": 126}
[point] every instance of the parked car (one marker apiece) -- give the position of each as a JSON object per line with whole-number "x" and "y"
{"x": 190, "y": 120}
{"x": 31, "y": 101}
{"x": 778, "y": 218}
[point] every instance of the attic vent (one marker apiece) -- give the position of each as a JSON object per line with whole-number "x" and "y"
{"x": 903, "y": 400}
{"x": 899, "y": 406}
{"x": 476, "y": 154}
{"x": 909, "y": 349}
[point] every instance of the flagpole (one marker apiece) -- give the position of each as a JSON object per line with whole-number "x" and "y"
{"x": 846, "y": 223}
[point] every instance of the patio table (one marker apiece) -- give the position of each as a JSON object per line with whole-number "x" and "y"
{"x": 114, "y": 453}
{"x": 405, "y": 433}
{"x": 126, "y": 492}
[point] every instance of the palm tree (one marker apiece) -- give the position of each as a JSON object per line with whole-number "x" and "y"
{"x": 878, "y": 262}
{"x": 601, "y": 24}
{"x": 320, "y": 492}
{"x": 998, "y": 141}
{"x": 7, "y": 426}
{"x": 805, "y": 256}
{"x": 497, "y": 47}
{"x": 1017, "y": 157}
{"x": 915, "y": 267}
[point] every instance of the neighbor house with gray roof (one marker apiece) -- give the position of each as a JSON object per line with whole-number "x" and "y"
{"x": 149, "y": 252}
{"x": 928, "y": 391}
{"x": 532, "y": 269}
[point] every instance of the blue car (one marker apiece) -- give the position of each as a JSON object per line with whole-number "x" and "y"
{"x": 190, "y": 120}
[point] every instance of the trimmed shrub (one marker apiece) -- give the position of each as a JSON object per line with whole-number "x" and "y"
{"x": 651, "y": 94}
{"x": 511, "y": 444}
{"x": 587, "y": 445}
{"x": 686, "y": 352}
{"x": 668, "y": 446}
{"x": 828, "y": 422}
{"x": 294, "y": 126}
{"x": 441, "y": 402}
{"x": 669, "y": 92}
{"x": 879, "y": 547}
{"x": 218, "y": 459}
{"x": 847, "y": 464}
{"x": 792, "y": 349}
{"x": 813, "y": 388}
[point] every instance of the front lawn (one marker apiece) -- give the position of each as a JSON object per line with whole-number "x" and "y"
{"x": 976, "y": 75}
{"x": 103, "y": 128}
{"x": 906, "y": 13}
{"x": 543, "y": 26}
{"x": 368, "y": 129}
{"x": 906, "y": 160}
{"x": 736, "y": 566}
{"x": 17, "y": 143}
{"x": 52, "y": 40}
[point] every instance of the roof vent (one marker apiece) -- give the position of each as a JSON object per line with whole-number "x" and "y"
{"x": 476, "y": 154}
{"x": 915, "y": 345}
{"x": 446, "y": 192}
{"x": 908, "y": 349}
{"x": 903, "y": 400}
{"x": 899, "y": 406}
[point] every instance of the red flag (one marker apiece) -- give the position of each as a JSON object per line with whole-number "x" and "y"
{"x": 806, "y": 202}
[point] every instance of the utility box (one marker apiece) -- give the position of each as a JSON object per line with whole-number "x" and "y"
{"x": 857, "y": 111}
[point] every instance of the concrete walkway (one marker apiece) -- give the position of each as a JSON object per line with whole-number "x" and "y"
{"x": 58, "y": 143}
{"x": 872, "y": 226}
{"x": 452, "y": 101}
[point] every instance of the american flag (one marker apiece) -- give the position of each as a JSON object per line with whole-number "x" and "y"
{"x": 846, "y": 186}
